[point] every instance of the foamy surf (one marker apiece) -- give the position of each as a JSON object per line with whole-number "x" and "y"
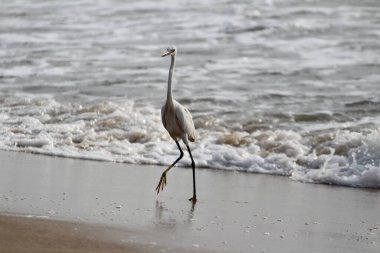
{"x": 108, "y": 131}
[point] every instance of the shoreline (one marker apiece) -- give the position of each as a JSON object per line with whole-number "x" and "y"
{"x": 235, "y": 212}
{"x": 33, "y": 152}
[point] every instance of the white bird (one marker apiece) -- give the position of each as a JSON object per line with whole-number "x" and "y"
{"x": 178, "y": 122}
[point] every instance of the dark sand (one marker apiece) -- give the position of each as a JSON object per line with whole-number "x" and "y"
{"x": 117, "y": 207}
{"x": 20, "y": 234}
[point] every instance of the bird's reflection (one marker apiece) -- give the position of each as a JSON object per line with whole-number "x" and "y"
{"x": 160, "y": 208}
{"x": 170, "y": 219}
{"x": 190, "y": 216}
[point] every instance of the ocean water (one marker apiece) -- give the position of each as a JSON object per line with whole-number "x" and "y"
{"x": 287, "y": 87}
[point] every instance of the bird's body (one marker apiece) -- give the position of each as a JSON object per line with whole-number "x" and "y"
{"x": 178, "y": 121}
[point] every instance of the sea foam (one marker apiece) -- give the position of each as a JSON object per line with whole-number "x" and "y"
{"x": 123, "y": 133}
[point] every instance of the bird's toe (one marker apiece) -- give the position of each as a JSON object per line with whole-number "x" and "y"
{"x": 161, "y": 183}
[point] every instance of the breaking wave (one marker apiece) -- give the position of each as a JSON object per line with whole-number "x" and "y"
{"x": 108, "y": 131}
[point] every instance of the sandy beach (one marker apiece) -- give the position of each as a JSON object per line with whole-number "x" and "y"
{"x": 89, "y": 206}
{"x": 21, "y": 234}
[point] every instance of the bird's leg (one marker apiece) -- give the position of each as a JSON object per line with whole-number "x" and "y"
{"x": 194, "y": 198}
{"x": 162, "y": 181}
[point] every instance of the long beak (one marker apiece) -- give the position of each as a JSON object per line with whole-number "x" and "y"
{"x": 165, "y": 54}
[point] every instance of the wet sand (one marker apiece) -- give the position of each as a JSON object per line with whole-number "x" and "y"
{"x": 116, "y": 207}
{"x": 20, "y": 234}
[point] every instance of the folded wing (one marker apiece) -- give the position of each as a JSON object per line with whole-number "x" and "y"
{"x": 185, "y": 121}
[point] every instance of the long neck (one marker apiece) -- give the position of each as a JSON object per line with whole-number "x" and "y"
{"x": 171, "y": 70}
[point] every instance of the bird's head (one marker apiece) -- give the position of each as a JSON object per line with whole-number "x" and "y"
{"x": 172, "y": 50}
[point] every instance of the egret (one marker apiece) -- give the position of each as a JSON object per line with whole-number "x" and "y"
{"x": 178, "y": 121}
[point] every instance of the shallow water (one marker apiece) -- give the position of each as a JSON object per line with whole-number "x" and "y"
{"x": 278, "y": 87}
